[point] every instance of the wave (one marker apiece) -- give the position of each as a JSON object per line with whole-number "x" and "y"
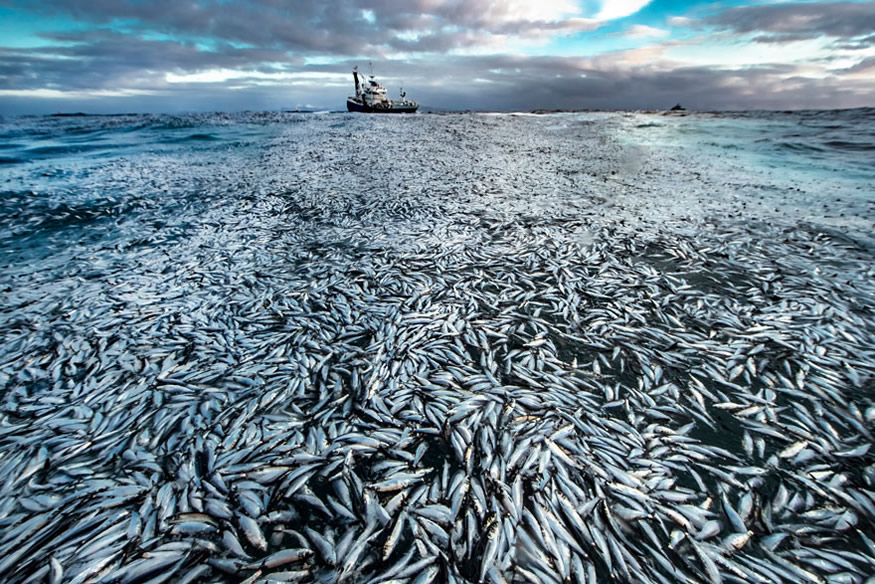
{"x": 798, "y": 147}
{"x": 173, "y": 123}
{"x": 66, "y": 149}
{"x": 852, "y": 146}
{"x": 193, "y": 138}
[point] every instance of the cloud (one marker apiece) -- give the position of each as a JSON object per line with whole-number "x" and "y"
{"x": 229, "y": 54}
{"x": 109, "y": 61}
{"x": 636, "y": 79}
{"x": 866, "y": 66}
{"x": 612, "y": 9}
{"x": 638, "y": 31}
{"x": 857, "y": 44}
{"x": 681, "y": 21}
{"x": 332, "y": 27}
{"x": 789, "y": 22}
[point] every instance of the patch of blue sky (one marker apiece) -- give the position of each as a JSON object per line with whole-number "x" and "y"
{"x": 205, "y": 44}
{"x": 658, "y": 12}
{"x": 151, "y": 35}
{"x": 608, "y": 39}
{"x": 661, "y": 10}
{"x": 324, "y": 60}
{"x": 22, "y": 30}
{"x": 650, "y": 25}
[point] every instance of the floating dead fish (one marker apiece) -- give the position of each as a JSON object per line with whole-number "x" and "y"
{"x": 296, "y": 359}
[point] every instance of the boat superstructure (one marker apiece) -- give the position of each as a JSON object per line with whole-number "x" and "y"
{"x": 371, "y": 97}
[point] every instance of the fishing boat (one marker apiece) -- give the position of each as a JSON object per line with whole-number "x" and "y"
{"x": 371, "y": 97}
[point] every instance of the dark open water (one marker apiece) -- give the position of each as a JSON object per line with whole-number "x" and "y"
{"x": 612, "y": 346}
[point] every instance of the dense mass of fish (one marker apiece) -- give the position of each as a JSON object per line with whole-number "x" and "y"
{"x": 433, "y": 349}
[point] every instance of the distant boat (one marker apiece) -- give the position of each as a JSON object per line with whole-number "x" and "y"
{"x": 678, "y": 108}
{"x": 370, "y": 97}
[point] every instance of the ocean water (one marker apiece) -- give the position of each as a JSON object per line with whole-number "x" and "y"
{"x": 77, "y": 172}
{"x": 627, "y": 346}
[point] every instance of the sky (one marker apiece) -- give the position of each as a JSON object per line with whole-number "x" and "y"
{"x": 121, "y": 56}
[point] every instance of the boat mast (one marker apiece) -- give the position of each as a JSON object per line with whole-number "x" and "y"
{"x": 355, "y": 75}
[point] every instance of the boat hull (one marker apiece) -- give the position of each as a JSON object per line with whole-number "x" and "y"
{"x": 356, "y": 106}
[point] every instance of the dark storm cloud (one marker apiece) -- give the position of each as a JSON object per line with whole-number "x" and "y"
{"x": 110, "y": 60}
{"x": 798, "y": 21}
{"x": 776, "y": 39}
{"x": 607, "y": 83}
{"x": 864, "y": 66}
{"x": 107, "y": 60}
{"x": 503, "y": 83}
{"x": 336, "y": 27}
{"x": 858, "y": 44}
{"x": 261, "y": 39}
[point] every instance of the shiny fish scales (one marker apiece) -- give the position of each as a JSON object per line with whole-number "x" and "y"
{"x": 413, "y": 380}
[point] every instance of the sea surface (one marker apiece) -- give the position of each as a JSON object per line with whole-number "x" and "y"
{"x": 590, "y": 347}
